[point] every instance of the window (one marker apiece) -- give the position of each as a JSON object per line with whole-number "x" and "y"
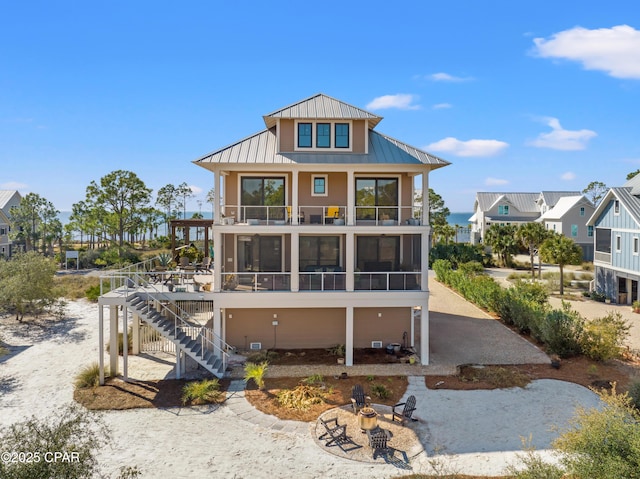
{"x": 378, "y": 253}
{"x": 582, "y": 211}
{"x": 342, "y": 135}
{"x": 590, "y": 231}
{"x": 616, "y": 207}
{"x": 603, "y": 240}
{"x": 618, "y": 243}
{"x": 323, "y": 135}
{"x": 316, "y": 251}
{"x": 319, "y": 185}
{"x": 503, "y": 209}
{"x": 574, "y": 230}
{"x": 259, "y": 253}
{"x": 3, "y": 231}
{"x": 262, "y": 198}
{"x": 376, "y": 192}
{"x": 304, "y": 135}
{"x": 635, "y": 245}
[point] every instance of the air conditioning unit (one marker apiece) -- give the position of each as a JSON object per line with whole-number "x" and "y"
{"x": 258, "y": 346}
{"x": 376, "y": 344}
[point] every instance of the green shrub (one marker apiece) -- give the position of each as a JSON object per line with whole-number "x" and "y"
{"x": 603, "y": 443}
{"x": 456, "y": 253}
{"x": 532, "y": 466}
{"x": 314, "y": 379}
{"x": 561, "y": 330}
{"x": 604, "y": 337}
{"x": 337, "y": 350}
{"x": 471, "y": 268}
{"x": 256, "y": 371}
{"x": 598, "y": 296}
{"x": 380, "y": 391}
{"x": 201, "y": 392}
{"x": 121, "y": 341}
{"x": 301, "y": 397}
{"x": 89, "y": 376}
{"x": 265, "y": 356}
{"x": 634, "y": 393}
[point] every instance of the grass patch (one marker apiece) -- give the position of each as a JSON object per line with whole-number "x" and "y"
{"x": 496, "y": 376}
{"x": 76, "y": 286}
{"x": 206, "y": 391}
{"x": 89, "y": 377}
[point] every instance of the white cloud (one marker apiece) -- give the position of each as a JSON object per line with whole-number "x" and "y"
{"x": 495, "y": 182}
{"x": 401, "y": 101}
{"x": 568, "y": 176}
{"x": 561, "y": 139}
{"x": 468, "y": 148}
{"x": 13, "y": 185}
{"x": 446, "y": 78}
{"x": 441, "y": 106}
{"x": 614, "y": 50}
{"x": 196, "y": 190}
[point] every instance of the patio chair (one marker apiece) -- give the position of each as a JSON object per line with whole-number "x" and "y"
{"x": 205, "y": 265}
{"x": 358, "y": 398}
{"x": 407, "y": 410}
{"x": 378, "y": 441}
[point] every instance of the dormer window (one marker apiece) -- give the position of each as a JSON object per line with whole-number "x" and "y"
{"x": 503, "y": 210}
{"x": 323, "y": 135}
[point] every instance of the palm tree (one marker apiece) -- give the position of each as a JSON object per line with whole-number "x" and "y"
{"x": 532, "y": 235}
{"x": 560, "y": 250}
{"x": 502, "y": 239}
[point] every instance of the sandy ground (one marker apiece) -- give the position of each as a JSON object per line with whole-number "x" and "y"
{"x": 467, "y": 431}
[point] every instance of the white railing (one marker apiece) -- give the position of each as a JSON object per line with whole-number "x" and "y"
{"x": 266, "y": 281}
{"x": 324, "y": 215}
{"x": 387, "y": 281}
{"x": 321, "y": 281}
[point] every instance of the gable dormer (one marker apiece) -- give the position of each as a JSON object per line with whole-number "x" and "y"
{"x": 321, "y": 124}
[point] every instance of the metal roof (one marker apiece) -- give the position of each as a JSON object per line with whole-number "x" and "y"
{"x": 261, "y": 148}
{"x": 630, "y": 201}
{"x": 563, "y": 206}
{"x": 550, "y": 198}
{"x": 324, "y": 107}
{"x": 5, "y": 197}
{"x": 523, "y": 202}
{"x": 634, "y": 184}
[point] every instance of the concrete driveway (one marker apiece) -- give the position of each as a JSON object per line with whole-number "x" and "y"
{"x": 461, "y": 333}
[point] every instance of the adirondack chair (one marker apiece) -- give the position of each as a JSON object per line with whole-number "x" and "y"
{"x": 358, "y": 398}
{"x": 407, "y": 411}
{"x": 378, "y": 442}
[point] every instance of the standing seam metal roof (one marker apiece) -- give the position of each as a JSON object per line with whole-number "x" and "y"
{"x": 261, "y": 148}
{"x": 321, "y": 106}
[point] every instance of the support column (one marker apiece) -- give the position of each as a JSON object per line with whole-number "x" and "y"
{"x": 218, "y": 261}
{"x": 425, "y": 199}
{"x": 216, "y": 202}
{"x": 295, "y": 261}
{"x": 294, "y": 198}
{"x": 125, "y": 343}
{"x": 135, "y": 335}
{"x": 350, "y": 261}
{"x": 113, "y": 340}
{"x": 217, "y": 331}
{"x": 179, "y": 363}
{"x": 101, "y": 343}
{"x": 424, "y": 261}
{"x": 424, "y": 333}
{"x": 351, "y": 198}
{"x": 348, "y": 360}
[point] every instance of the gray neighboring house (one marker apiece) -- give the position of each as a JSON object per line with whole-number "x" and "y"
{"x": 569, "y": 217}
{"x": 616, "y": 223}
{"x": 511, "y": 209}
{"x": 8, "y": 199}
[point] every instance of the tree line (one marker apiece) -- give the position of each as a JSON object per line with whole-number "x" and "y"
{"x": 117, "y": 209}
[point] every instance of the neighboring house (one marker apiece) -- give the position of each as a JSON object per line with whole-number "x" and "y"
{"x": 8, "y": 199}
{"x": 317, "y": 240}
{"x": 569, "y": 217}
{"x": 616, "y": 222}
{"x": 510, "y": 209}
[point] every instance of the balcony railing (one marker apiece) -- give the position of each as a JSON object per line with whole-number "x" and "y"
{"x": 323, "y": 215}
{"x": 322, "y": 281}
{"x": 256, "y": 281}
{"x": 389, "y": 281}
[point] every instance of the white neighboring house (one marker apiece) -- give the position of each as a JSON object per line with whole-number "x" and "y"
{"x": 8, "y": 199}
{"x": 569, "y": 217}
{"x": 511, "y": 209}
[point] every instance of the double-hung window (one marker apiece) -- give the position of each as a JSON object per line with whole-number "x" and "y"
{"x": 323, "y": 135}
{"x": 574, "y": 230}
{"x": 636, "y": 246}
{"x": 304, "y": 135}
{"x": 342, "y": 135}
{"x": 503, "y": 210}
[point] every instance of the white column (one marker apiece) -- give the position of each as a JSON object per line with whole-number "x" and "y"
{"x": 219, "y": 262}
{"x": 216, "y": 203}
{"x": 295, "y": 260}
{"x": 125, "y": 343}
{"x": 113, "y": 340}
{"x": 425, "y": 198}
{"x": 348, "y": 360}
{"x": 424, "y": 261}
{"x": 351, "y": 198}
{"x": 350, "y": 261}
{"x": 179, "y": 363}
{"x": 101, "y": 343}
{"x": 424, "y": 333}
{"x": 217, "y": 331}
{"x": 136, "y": 334}
{"x": 294, "y": 197}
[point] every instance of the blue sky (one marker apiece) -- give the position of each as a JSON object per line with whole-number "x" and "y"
{"x": 518, "y": 96}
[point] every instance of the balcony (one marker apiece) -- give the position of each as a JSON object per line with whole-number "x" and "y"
{"x": 336, "y": 215}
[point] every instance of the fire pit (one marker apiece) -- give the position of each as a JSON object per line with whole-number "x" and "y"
{"x": 367, "y": 419}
